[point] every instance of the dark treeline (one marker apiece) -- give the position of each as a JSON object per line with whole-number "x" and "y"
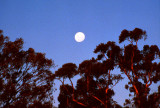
{"x": 26, "y": 79}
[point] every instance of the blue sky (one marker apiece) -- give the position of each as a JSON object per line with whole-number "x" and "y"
{"x": 49, "y": 26}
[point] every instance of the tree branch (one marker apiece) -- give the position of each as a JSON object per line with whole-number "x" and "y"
{"x": 114, "y": 84}
{"x": 105, "y": 56}
{"x": 97, "y": 99}
{"x": 73, "y": 95}
{"x": 132, "y": 82}
{"x": 79, "y": 103}
{"x": 72, "y": 88}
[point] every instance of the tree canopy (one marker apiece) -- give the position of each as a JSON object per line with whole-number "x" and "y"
{"x": 94, "y": 89}
{"x": 25, "y": 76}
{"x": 140, "y": 67}
{"x": 27, "y": 80}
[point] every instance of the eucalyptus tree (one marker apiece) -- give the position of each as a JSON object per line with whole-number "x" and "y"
{"x": 66, "y": 96}
{"x": 93, "y": 89}
{"x": 108, "y": 55}
{"x": 141, "y": 67}
{"x": 25, "y": 76}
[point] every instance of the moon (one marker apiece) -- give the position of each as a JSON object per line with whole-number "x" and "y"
{"x": 79, "y": 37}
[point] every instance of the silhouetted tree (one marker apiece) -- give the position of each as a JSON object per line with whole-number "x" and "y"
{"x": 108, "y": 55}
{"x": 140, "y": 67}
{"x": 67, "y": 71}
{"x": 94, "y": 89}
{"x": 25, "y": 76}
{"x": 65, "y": 96}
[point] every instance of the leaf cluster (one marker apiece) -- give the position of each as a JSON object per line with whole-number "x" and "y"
{"x": 25, "y": 76}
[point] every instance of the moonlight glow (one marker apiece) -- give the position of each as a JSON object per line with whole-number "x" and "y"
{"x": 79, "y": 36}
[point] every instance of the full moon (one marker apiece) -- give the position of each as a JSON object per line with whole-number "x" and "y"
{"x": 79, "y": 36}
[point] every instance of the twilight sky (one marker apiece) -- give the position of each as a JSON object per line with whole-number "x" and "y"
{"x": 49, "y": 26}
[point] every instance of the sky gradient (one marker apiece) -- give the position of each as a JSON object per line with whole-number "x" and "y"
{"x": 49, "y": 26}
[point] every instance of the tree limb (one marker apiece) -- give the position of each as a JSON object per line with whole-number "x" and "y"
{"x": 97, "y": 99}
{"x": 79, "y": 103}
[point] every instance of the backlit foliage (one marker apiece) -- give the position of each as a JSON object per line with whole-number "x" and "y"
{"x": 26, "y": 79}
{"x": 25, "y": 76}
{"x": 94, "y": 89}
